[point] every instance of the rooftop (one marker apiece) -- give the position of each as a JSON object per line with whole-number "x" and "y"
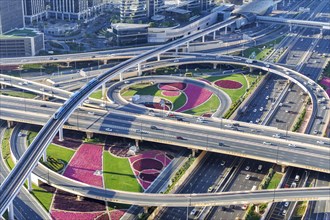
{"x": 20, "y": 33}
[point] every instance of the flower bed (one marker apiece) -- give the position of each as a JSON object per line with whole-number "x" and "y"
{"x": 325, "y": 81}
{"x": 328, "y": 92}
{"x": 170, "y": 93}
{"x": 85, "y": 162}
{"x": 229, "y": 84}
{"x": 195, "y": 96}
{"x": 172, "y": 86}
{"x": 158, "y": 106}
{"x": 61, "y": 215}
{"x": 146, "y": 163}
{"x": 116, "y": 214}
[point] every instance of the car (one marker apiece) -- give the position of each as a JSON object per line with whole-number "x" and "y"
{"x": 297, "y": 178}
{"x": 289, "y": 89}
{"x": 284, "y": 212}
{"x": 221, "y": 144}
{"x": 267, "y": 97}
{"x": 257, "y": 120}
{"x": 153, "y": 127}
{"x": 51, "y": 58}
{"x": 267, "y": 143}
{"x": 248, "y": 176}
{"x": 235, "y": 124}
{"x": 223, "y": 163}
{"x": 251, "y": 122}
{"x": 93, "y": 56}
{"x": 260, "y": 167}
{"x": 223, "y": 208}
{"x": 315, "y": 131}
{"x": 255, "y": 110}
{"x": 179, "y": 138}
{"x": 138, "y": 131}
{"x": 286, "y": 204}
{"x": 292, "y": 145}
{"x": 43, "y": 105}
{"x": 247, "y": 168}
{"x": 25, "y": 83}
{"x": 261, "y": 109}
{"x": 324, "y": 107}
{"x": 210, "y": 189}
{"x": 232, "y": 206}
{"x": 87, "y": 101}
{"x": 179, "y": 119}
{"x": 20, "y": 134}
{"x": 193, "y": 212}
{"x": 228, "y": 125}
{"x": 108, "y": 129}
{"x": 20, "y": 83}
{"x": 244, "y": 207}
{"x": 277, "y": 136}
{"x": 102, "y": 105}
{"x": 42, "y": 89}
{"x": 127, "y": 82}
{"x": 320, "y": 142}
{"x": 281, "y": 104}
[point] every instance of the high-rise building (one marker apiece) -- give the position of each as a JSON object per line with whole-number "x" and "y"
{"x": 11, "y": 15}
{"x": 139, "y": 10}
{"x": 34, "y": 10}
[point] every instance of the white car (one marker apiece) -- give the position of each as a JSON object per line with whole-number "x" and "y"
{"x": 292, "y": 145}
{"x": 267, "y": 97}
{"x": 248, "y": 176}
{"x": 108, "y": 129}
{"x": 261, "y": 109}
{"x": 228, "y": 125}
{"x": 277, "y": 136}
{"x": 91, "y": 113}
{"x": 255, "y": 110}
{"x": 281, "y": 104}
{"x": 267, "y": 143}
{"x": 286, "y": 204}
{"x": 247, "y": 168}
{"x": 320, "y": 142}
{"x": 257, "y": 120}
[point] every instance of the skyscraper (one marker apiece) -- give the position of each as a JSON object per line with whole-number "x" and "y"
{"x": 11, "y": 15}
{"x": 34, "y": 10}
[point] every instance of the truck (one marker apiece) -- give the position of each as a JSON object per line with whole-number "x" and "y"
{"x": 249, "y": 61}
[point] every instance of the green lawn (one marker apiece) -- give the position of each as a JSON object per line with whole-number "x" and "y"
{"x": 96, "y": 95}
{"x": 44, "y": 197}
{"x": 234, "y": 94}
{"x": 276, "y": 179}
{"x": 118, "y": 174}
{"x": 58, "y": 157}
{"x": 146, "y": 89}
{"x": 18, "y": 94}
{"x": 210, "y": 106}
{"x": 6, "y": 149}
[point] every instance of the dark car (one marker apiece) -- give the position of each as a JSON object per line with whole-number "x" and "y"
{"x": 179, "y": 119}
{"x": 153, "y": 127}
{"x": 179, "y": 138}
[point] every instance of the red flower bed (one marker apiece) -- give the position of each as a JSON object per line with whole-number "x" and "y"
{"x": 172, "y": 86}
{"x": 229, "y": 84}
{"x": 144, "y": 164}
{"x": 84, "y": 163}
{"x": 170, "y": 93}
{"x": 150, "y": 177}
{"x": 325, "y": 81}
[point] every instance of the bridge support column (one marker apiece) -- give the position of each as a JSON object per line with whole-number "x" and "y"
{"x": 105, "y": 62}
{"x": 321, "y": 31}
{"x": 290, "y": 26}
{"x": 44, "y": 156}
{"x": 136, "y": 142}
{"x": 139, "y": 69}
{"x": 251, "y": 69}
{"x": 44, "y": 97}
{"x": 89, "y": 135}
{"x": 193, "y": 152}
{"x": 3, "y": 86}
{"x": 145, "y": 209}
{"x": 80, "y": 198}
{"x": 10, "y": 124}
{"x": 158, "y": 57}
{"x": 11, "y": 211}
{"x": 214, "y": 33}
{"x": 67, "y": 64}
{"x": 226, "y": 30}
{"x": 176, "y": 50}
{"x": 257, "y": 24}
{"x": 203, "y": 38}
{"x": 188, "y": 45}
{"x": 283, "y": 168}
{"x": 60, "y": 134}
{"x": 214, "y": 65}
{"x": 103, "y": 91}
{"x": 120, "y": 77}
{"x": 29, "y": 182}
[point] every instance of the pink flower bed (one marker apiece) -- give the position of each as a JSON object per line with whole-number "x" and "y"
{"x": 172, "y": 86}
{"x": 60, "y": 215}
{"x": 195, "y": 96}
{"x": 325, "y": 81}
{"x": 116, "y": 214}
{"x": 328, "y": 92}
{"x": 85, "y": 162}
{"x": 170, "y": 93}
{"x": 146, "y": 166}
{"x": 228, "y": 84}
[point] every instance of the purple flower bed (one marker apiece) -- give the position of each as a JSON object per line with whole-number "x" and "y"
{"x": 228, "y": 84}
{"x": 325, "y": 81}
{"x": 328, "y": 92}
{"x": 149, "y": 177}
{"x": 195, "y": 96}
{"x": 144, "y": 164}
{"x": 60, "y": 215}
{"x": 105, "y": 216}
{"x": 162, "y": 158}
{"x": 170, "y": 93}
{"x": 172, "y": 86}
{"x": 116, "y": 214}
{"x": 85, "y": 162}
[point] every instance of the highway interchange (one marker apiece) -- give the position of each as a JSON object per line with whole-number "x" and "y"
{"x": 81, "y": 119}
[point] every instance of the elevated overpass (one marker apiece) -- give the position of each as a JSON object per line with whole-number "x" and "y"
{"x": 295, "y": 22}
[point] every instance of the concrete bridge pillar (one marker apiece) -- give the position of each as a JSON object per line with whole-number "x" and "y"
{"x": 145, "y": 209}
{"x": 158, "y": 57}
{"x": 136, "y": 142}
{"x": 139, "y": 69}
{"x": 214, "y": 33}
{"x": 89, "y": 135}
{"x": 257, "y": 24}
{"x": 67, "y": 64}
{"x": 10, "y": 124}
{"x": 203, "y": 38}
{"x": 80, "y": 198}
{"x": 29, "y": 182}
{"x": 214, "y": 65}
{"x": 188, "y": 45}
{"x": 11, "y": 211}
{"x": 251, "y": 69}
{"x": 283, "y": 168}
{"x": 120, "y": 77}
{"x": 105, "y": 62}
{"x": 226, "y": 30}
{"x": 44, "y": 97}
{"x": 193, "y": 152}
{"x": 290, "y": 26}
{"x": 321, "y": 31}
{"x": 3, "y": 86}
{"x": 176, "y": 50}
{"x": 103, "y": 91}
{"x": 60, "y": 134}
{"x": 44, "y": 156}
